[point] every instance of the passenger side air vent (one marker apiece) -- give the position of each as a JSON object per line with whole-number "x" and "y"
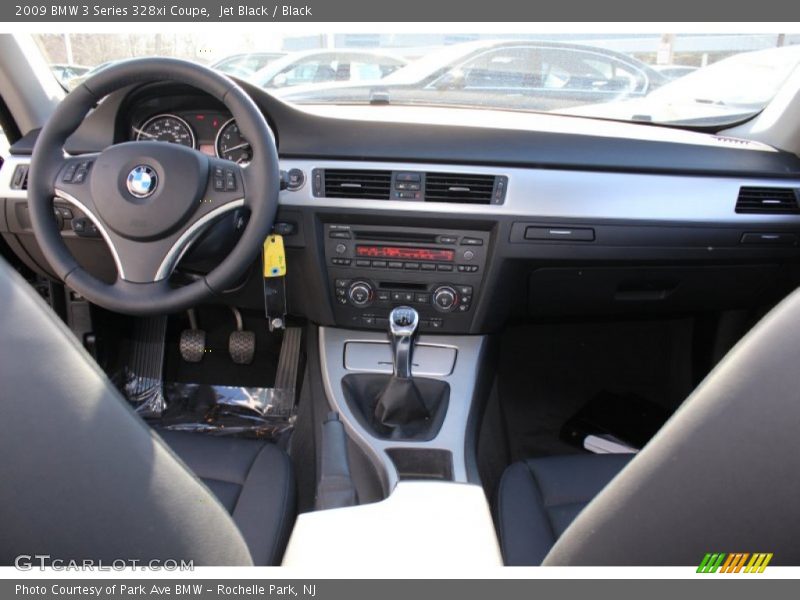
{"x": 346, "y": 183}
{"x": 461, "y": 188}
{"x": 19, "y": 179}
{"x": 768, "y": 201}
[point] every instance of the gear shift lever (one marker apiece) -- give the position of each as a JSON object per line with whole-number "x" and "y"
{"x": 400, "y": 402}
{"x": 403, "y": 322}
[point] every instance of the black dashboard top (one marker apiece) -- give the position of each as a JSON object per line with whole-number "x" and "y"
{"x": 311, "y": 135}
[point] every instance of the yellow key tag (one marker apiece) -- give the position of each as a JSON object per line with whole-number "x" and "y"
{"x": 274, "y": 257}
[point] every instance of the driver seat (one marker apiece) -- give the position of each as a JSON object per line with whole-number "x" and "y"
{"x": 83, "y": 477}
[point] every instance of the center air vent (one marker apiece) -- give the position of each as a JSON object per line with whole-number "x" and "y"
{"x": 347, "y": 183}
{"x": 768, "y": 201}
{"x": 460, "y": 188}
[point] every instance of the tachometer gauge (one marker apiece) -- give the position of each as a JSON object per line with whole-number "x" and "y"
{"x": 231, "y": 145}
{"x": 166, "y": 128}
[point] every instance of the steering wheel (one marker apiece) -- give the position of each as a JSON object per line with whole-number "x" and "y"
{"x": 150, "y": 200}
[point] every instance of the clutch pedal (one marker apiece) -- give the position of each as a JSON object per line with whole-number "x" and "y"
{"x": 193, "y": 341}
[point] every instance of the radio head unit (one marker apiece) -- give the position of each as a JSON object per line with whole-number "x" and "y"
{"x": 372, "y": 269}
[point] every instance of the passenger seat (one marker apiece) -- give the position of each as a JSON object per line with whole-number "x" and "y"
{"x": 540, "y": 497}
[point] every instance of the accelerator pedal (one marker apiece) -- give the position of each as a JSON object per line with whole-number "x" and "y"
{"x": 241, "y": 343}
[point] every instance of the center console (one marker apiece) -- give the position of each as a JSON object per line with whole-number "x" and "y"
{"x": 372, "y": 269}
{"x": 428, "y": 474}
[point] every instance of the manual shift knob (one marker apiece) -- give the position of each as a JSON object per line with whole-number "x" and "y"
{"x": 403, "y": 322}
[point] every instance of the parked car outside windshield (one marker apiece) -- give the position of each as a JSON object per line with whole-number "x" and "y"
{"x": 735, "y": 88}
{"x": 683, "y": 80}
{"x": 325, "y": 67}
{"x": 526, "y": 75}
{"x": 244, "y": 65}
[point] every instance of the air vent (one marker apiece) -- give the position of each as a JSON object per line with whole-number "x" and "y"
{"x": 767, "y": 201}
{"x": 19, "y": 179}
{"x": 460, "y": 188}
{"x": 346, "y": 183}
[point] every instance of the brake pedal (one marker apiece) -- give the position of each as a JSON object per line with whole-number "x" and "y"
{"x": 193, "y": 341}
{"x": 241, "y": 343}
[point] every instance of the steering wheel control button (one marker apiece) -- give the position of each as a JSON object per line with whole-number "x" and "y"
{"x": 63, "y": 211}
{"x": 83, "y": 227}
{"x": 76, "y": 172}
{"x": 69, "y": 173}
{"x": 230, "y": 180}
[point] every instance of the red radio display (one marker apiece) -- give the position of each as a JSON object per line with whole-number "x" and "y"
{"x": 404, "y": 253}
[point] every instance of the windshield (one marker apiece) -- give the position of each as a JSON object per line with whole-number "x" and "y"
{"x": 677, "y": 79}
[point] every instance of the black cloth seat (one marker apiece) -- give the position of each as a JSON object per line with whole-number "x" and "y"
{"x": 83, "y": 477}
{"x": 539, "y": 498}
{"x": 252, "y": 479}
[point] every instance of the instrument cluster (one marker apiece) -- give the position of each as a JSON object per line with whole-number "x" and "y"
{"x": 210, "y": 132}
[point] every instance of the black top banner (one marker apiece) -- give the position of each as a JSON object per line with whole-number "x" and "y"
{"x": 407, "y": 11}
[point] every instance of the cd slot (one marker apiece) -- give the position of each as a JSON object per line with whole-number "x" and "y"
{"x": 396, "y": 236}
{"x": 398, "y": 285}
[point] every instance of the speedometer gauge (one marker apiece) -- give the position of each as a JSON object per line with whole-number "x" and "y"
{"x": 231, "y": 145}
{"x": 166, "y": 128}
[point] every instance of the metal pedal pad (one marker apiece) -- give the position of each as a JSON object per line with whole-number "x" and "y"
{"x": 242, "y": 347}
{"x": 193, "y": 345}
{"x": 193, "y": 340}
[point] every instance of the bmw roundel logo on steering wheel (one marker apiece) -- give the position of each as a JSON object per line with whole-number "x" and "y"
{"x": 142, "y": 181}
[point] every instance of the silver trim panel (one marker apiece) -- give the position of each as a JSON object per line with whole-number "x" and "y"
{"x": 544, "y": 193}
{"x": 376, "y": 357}
{"x": 561, "y": 194}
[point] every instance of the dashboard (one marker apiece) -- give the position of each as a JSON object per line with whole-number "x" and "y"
{"x": 472, "y": 216}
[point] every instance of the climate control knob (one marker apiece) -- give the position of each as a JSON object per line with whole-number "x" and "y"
{"x": 445, "y": 298}
{"x": 360, "y": 293}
